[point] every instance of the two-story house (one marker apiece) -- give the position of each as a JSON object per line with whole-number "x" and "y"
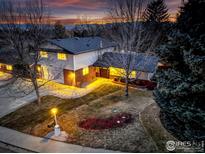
{"x": 78, "y": 61}
{"x": 70, "y": 61}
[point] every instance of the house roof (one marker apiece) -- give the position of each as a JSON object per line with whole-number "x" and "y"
{"x": 82, "y": 45}
{"x": 138, "y": 61}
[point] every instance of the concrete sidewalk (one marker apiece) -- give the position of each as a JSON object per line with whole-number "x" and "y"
{"x": 42, "y": 145}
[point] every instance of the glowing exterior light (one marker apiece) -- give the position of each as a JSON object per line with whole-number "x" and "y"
{"x": 72, "y": 75}
{"x": 54, "y": 111}
{"x": 57, "y": 130}
{"x": 39, "y": 68}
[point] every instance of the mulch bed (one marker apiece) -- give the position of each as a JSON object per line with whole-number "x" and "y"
{"x": 116, "y": 121}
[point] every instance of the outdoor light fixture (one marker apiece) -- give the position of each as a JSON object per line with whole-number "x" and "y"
{"x": 57, "y": 130}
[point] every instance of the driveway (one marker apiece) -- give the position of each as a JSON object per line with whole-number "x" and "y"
{"x": 9, "y": 104}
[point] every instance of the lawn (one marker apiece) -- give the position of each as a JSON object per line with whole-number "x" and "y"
{"x": 104, "y": 102}
{"x": 33, "y": 114}
{"x": 150, "y": 120}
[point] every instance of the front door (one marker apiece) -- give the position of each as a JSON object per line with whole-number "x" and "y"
{"x": 104, "y": 73}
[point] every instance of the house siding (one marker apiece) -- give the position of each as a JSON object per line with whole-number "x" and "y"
{"x": 86, "y": 59}
{"x": 79, "y": 80}
{"x": 82, "y": 80}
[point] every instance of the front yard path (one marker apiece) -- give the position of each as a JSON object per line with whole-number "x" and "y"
{"x": 10, "y": 103}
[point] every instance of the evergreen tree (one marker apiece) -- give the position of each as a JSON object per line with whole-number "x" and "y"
{"x": 191, "y": 19}
{"x": 59, "y": 30}
{"x": 181, "y": 87}
{"x": 156, "y": 12}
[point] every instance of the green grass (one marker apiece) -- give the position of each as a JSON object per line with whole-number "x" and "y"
{"x": 32, "y": 114}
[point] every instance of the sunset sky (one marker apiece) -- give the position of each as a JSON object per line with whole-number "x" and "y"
{"x": 69, "y": 10}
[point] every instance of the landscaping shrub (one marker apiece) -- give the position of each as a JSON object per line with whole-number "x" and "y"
{"x": 112, "y": 122}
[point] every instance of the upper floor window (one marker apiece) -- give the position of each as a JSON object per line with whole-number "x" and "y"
{"x": 62, "y": 56}
{"x": 9, "y": 67}
{"x": 85, "y": 71}
{"x": 44, "y": 54}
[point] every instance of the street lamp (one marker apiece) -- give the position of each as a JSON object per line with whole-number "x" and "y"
{"x": 57, "y": 130}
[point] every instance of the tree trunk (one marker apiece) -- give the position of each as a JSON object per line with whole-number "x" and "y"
{"x": 38, "y": 96}
{"x": 127, "y": 86}
{"x": 35, "y": 84}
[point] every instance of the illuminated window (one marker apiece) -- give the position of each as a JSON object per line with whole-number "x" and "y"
{"x": 121, "y": 72}
{"x": 117, "y": 72}
{"x": 62, "y": 56}
{"x": 133, "y": 74}
{"x": 44, "y": 54}
{"x": 86, "y": 71}
{"x": 9, "y": 67}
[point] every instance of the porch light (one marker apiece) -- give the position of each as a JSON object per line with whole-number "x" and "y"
{"x": 39, "y": 68}
{"x": 72, "y": 75}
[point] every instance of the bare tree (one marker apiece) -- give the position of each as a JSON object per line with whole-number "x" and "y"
{"x": 130, "y": 36}
{"x": 25, "y": 26}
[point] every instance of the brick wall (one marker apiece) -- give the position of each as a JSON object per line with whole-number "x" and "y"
{"x": 77, "y": 78}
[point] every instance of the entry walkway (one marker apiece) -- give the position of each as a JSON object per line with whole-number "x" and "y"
{"x": 38, "y": 144}
{"x": 9, "y": 104}
{"x": 64, "y": 91}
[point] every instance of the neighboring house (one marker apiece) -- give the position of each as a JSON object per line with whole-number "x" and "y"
{"x": 6, "y": 61}
{"x": 78, "y": 61}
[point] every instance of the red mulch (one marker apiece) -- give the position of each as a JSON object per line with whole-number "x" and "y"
{"x": 112, "y": 122}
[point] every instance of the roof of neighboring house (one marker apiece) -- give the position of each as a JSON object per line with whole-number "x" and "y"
{"x": 82, "y": 45}
{"x": 138, "y": 61}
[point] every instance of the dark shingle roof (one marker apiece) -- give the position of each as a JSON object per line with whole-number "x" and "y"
{"x": 81, "y": 45}
{"x": 139, "y": 61}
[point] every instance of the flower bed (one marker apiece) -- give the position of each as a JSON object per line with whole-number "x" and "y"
{"x": 112, "y": 122}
